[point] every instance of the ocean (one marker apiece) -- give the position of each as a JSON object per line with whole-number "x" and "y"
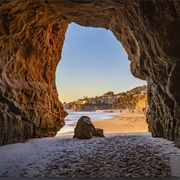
{"x": 73, "y": 116}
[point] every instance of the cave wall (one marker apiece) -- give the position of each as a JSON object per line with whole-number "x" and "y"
{"x": 30, "y": 49}
{"x": 31, "y": 40}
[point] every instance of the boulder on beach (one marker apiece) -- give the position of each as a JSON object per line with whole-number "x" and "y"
{"x": 86, "y": 130}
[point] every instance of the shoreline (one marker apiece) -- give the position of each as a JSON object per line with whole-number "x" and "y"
{"x": 124, "y": 122}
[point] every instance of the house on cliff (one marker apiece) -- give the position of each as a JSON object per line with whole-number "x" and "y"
{"x": 82, "y": 101}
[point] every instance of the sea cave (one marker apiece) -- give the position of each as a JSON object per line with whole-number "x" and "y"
{"x": 31, "y": 40}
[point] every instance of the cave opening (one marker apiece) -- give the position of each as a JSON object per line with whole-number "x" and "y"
{"x": 93, "y": 63}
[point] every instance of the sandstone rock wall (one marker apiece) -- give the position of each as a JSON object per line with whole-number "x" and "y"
{"x": 30, "y": 51}
{"x": 31, "y": 39}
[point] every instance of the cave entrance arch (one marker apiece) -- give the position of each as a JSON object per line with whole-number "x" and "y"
{"x": 32, "y": 35}
{"x": 93, "y": 62}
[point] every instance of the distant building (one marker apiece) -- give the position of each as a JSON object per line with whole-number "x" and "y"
{"x": 82, "y": 101}
{"x": 93, "y": 101}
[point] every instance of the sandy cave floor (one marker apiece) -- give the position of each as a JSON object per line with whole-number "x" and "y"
{"x": 125, "y": 155}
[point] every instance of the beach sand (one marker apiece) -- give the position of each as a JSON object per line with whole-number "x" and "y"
{"x": 124, "y": 122}
{"x": 127, "y": 150}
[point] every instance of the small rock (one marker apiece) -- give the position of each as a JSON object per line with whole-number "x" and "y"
{"x": 85, "y": 129}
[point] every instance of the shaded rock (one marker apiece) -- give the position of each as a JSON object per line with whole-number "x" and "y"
{"x": 98, "y": 132}
{"x": 85, "y": 129}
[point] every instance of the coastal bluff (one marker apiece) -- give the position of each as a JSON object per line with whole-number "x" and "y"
{"x": 31, "y": 40}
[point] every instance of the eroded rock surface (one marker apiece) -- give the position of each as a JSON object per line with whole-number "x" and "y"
{"x": 31, "y": 40}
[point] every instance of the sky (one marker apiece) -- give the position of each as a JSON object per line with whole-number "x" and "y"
{"x": 93, "y": 62}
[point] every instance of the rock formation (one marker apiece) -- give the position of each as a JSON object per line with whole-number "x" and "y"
{"x": 31, "y": 40}
{"x": 86, "y": 130}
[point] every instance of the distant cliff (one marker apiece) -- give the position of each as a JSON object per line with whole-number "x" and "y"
{"x": 135, "y": 99}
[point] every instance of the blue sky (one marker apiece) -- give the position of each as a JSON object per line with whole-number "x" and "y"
{"x": 93, "y": 62}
